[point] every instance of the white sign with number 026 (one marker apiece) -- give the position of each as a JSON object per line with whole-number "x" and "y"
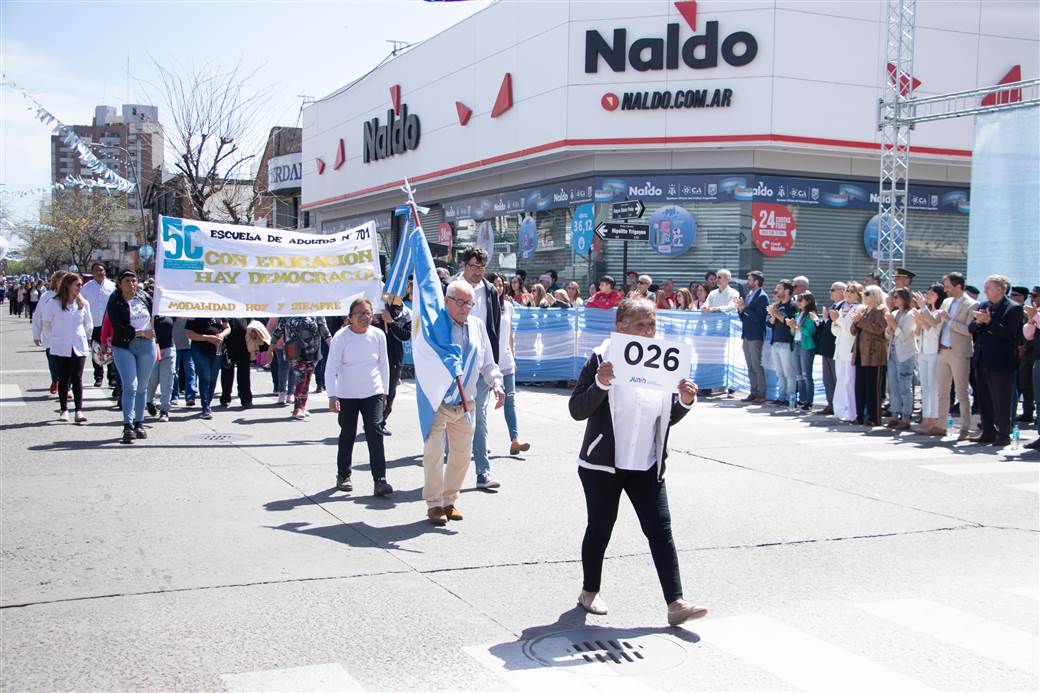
{"x": 653, "y": 363}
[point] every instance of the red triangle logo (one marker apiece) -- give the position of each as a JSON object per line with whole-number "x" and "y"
{"x": 395, "y": 98}
{"x": 689, "y": 12}
{"x": 464, "y": 112}
{"x": 505, "y": 96}
{"x": 1009, "y": 96}
{"x": 341, "y": 155}
{"x": 906, "y": 86}
{"x": 321, "y": 165}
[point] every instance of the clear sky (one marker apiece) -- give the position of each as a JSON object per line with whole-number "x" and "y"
{"x": 73, "y": 56}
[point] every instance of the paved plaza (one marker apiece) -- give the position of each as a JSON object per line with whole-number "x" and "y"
{"x": 215, "y": 555}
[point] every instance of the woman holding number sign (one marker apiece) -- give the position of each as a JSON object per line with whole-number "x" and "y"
{"x": 629, "y": 459}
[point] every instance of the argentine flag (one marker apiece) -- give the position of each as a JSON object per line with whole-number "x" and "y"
{"x": 437, "y": 361}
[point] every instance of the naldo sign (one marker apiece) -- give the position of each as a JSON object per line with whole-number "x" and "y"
{"x": 396, "y": 137}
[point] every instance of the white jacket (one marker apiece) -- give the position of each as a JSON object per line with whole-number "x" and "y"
{"x": 842, "y": 331}
{"x": 40, "y": 332}
{"x": 904, "y": 336}
{"x": 69, "y": 329}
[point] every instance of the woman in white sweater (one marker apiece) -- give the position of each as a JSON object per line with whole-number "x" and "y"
{"x": 844, "y": 369}
{"x": 357, "y": 376}
{"x": 929, "y": 329}
{"x": 67, "y": 318}
{"x": 902, "y": 359}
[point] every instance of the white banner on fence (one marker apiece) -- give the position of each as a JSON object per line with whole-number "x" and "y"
{"x": 222, "y": 270}
{"x": 653, "y": 363}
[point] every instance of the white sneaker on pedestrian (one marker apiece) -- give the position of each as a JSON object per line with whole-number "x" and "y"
{"x": 681, "y": 611}
{"x": 63, "y": 416}
{"x": 487, "y": 482}
{"x": 591, "y": 602}
{"x": 281, "y": 398}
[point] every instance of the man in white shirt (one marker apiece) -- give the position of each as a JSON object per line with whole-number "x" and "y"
{"x": 97, "y": 292}
{"x": 442, "y": 481}
{"x": 722, "y": 299}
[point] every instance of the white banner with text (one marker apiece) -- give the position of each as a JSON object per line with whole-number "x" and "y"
{"x": 223, "y": 270}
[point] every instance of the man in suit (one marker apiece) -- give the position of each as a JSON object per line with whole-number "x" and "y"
{"x": 488, "y": 310}
{"x": 955, "y": 349}
{"x": 753, "y": 322}
{"x": 998, "y": 324}
{"x": 825, "y": 343}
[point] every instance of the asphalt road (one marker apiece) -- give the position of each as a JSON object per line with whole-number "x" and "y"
{"x": 215, "y": 556}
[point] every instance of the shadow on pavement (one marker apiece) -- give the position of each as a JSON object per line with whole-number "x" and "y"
{"x": 365, "y": 536}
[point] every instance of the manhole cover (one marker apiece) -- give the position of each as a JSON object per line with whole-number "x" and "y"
{"x": 220, "y": 437}
{"x": 606, "y": 651}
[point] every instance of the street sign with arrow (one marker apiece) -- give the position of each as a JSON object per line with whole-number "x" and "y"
{"x": 629, "y": 209}
{"x": 623, "y": 231}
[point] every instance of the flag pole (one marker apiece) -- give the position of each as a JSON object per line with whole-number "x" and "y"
{"x": 410, "y": 192}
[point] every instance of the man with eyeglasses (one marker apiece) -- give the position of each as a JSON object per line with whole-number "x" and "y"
{"x": 442, "y": 482}
{"x": 486, "y": 308}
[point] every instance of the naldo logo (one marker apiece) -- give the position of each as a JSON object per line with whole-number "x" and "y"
{"x": 652, "y": 53}
{"x": 647, "y": 190}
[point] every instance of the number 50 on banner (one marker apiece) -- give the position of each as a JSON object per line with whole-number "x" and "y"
{"x": 653, "y": 363}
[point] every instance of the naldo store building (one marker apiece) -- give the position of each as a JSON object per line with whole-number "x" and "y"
{"x": 748, "y": 129}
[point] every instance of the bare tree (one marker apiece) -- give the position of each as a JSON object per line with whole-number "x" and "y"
{"x": 213, "y": 115}
{"x": 83, "y": 221}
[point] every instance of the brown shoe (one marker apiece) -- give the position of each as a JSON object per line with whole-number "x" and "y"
{"x": 759, "y": 400}
{"x": 436, "y": 516}
{"x": 749, "y": 398}
{"x": 892, "y": 423}
{"x": 902, "y": 425}
{"x": 964, "y": 435}
{"x": 681, "y": 611}
{"x": 517, "y": 446}
{"x": 452, "y": 513}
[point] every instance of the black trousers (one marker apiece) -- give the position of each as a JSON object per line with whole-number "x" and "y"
{"x": 993, "y": 393}
{"x": 1025, "y": 385}
{"x": 99, "y": 372}
{"x": 650, "y": 500}
{"x": 395, "y": 379}
{"x": 371, "y": 410}
{"x": 239, "y": 365}
{"x": 70, "y": 370}
{"x": 32, "y": 308}
{"x": 869, "y": 380}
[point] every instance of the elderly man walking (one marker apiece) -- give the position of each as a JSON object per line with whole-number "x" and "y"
{"x": 442, "y": 482}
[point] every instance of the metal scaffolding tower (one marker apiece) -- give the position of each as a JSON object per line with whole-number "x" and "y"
{"x": 895, "y": 139}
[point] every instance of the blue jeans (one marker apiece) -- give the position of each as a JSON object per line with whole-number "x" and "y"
{"x": 480, "y": 457}
{"x": 164, "y": 374}
{"x": 509, "y": 383}
{"x": 784, "y": 365}
{"x": 187, "y": 364}
{"x": 208, "y": 368}
{"x": 806, "y": 386}
{"x": 901, "y": 385}
{"x": 135, "y": 367}
{"x": 286, "y": 377}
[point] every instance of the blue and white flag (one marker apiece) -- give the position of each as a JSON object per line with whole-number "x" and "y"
{"x": 397, "y": 276}
{"x": 437, "y": 360}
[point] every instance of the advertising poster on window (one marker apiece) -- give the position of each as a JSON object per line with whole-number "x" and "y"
{"x": 673, "y": 230}
{"x": 528, "y": 238}
{"x": 772, "y": 228}
{"x": 583, "y": 221}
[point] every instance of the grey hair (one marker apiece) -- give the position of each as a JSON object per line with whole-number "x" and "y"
{"x": 1000, "y": 279}
{"x": 456, "y": 286}
{"x": 724, "y": 273}
{"x": 801, "y": 279}
{"x": 839, "y": 285}
{"x": 630, "y": 307}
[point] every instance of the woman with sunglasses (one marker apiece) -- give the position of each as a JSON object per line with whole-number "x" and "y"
{"x": 129, "y": 314}
{"x": 67, "y": 318}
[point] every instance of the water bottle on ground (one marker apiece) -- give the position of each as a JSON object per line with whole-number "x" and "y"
{"x": 1016, "y": 437}
{"x": 792, "y": 402}
{"x": 949, "y": 422}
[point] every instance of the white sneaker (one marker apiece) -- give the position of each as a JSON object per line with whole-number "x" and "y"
{"x": 681, "y": 611}
{"x": 281, "y": 398}
{"x": 64, "y": 416}
{"x": 487, "y": 482}
{"x": 591, "y": 602}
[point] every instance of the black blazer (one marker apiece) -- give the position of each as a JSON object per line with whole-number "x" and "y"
{"x": 590, "y": 402}
{"x": 824, "y": 337}
{"x": 996, "y": 342}
{"x": 753, "y": 318}
{"x": 118, "y": 311}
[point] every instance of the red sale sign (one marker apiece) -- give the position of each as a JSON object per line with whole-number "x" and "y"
{"x": 772, "y": 228}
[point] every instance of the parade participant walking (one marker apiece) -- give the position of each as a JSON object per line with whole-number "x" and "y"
{"x": 487, "y": 309}
{"x": 929, "y": 326}
{"x": 844, "y": 344}
{"x": 41, "y": 335}
{"x": 507, "y": 364}
{"x": 35, "y": 290}
{"x": 396, "y": 322}
{"x": 129, "y": 313}
{"x": 165, "y": 371}
{"x": 753, "y": 334}
{"x": 825, "y": 344}
{"x": 302, "y": 337}
{"x": 902, "y": 358}
{"x": 281, "y": 370}
{"x": 442, "y": 481}
{"x": 357, "y": 375}
{"x": 97, "y": 292}
{"x": 998, "y": 325}
{"x": 185, "y": 365}
{"x": 66, "y": 318}
{"x": 207, "y": 337}
{"x": 628, "y": 459}
{"x": 955, "y": 352}
{"x": 870, "y": 355}
{"x": 236, "y": 362}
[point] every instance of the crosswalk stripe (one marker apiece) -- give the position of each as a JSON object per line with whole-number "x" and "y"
{"x": 510, "y": 664}
{"x": 979, "y": 635}
{"x": 1029, "y": 591}
{"x": 800, "y": 659}
{"x": 1008, "y": 467}
{"x": 1031, "y": 487}
{"x": 11, "y": 396}
{"x": 317, "y": 677}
